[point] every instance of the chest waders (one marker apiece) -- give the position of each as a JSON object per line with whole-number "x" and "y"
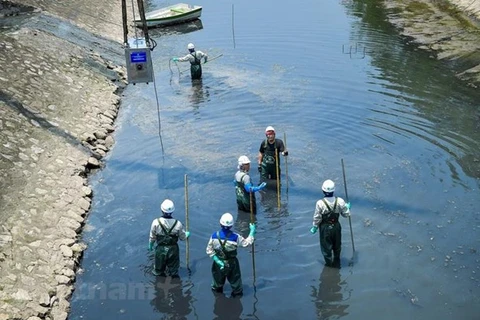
{"x": 243, "y": 197}
{"x": 230, "y": 272}
{"x": 195, "y": 68}
{"x": 269, "y": 164}
{"x": 331, "y": 236}
{"x": 167, "y": 257}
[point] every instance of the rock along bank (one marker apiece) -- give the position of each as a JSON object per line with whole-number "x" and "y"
{"x": 60, "y": 86}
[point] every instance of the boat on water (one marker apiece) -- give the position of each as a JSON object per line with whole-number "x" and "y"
{"x": 177, "y": 13}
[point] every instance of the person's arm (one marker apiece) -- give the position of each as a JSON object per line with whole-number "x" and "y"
{"x": 344, "y": 207}
{"x": 210, "y": 250}
{"x": 282, "y": 148}
{"x": 186, "y": 58}
{"x": 205, "y": 57}
{"x": 317, "y": 217}
{"x": 152, "y": 237}
{"x": 248, "y": 186}
{"x": 261, "y": 152}
{"x": 182, "y": 234}
{"x": 245, "y": 242}
{"x": 211, "y": 253}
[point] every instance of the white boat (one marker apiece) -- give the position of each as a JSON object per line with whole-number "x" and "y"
{"x": 177, "y": 13}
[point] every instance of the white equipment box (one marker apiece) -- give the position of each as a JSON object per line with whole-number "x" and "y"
{"x": 138, "y": 61}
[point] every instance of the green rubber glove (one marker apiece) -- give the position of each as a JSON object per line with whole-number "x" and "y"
{"x": 150, "y": 245}
{"x": 313, "y": 230}
{"x": 175, "y": 59}
{"x": 218, "y": 262}
{"x": 348, "y": 205}
{"x": 253, "y": 230}
{"x": 187, "y": 234}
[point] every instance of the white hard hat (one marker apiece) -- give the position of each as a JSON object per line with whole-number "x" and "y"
{"x": 269, "y": 128}
{"x": 167, "y": 206}
{"x": 190, "y": 46}
{"x": 328, "y": 186}
{"x": 226, "y": 220}
{"x": 243, "y": 160}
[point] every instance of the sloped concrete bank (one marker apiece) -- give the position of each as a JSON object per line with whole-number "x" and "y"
{"x": 60, "y": 89}
{"x": 448, "y": 29}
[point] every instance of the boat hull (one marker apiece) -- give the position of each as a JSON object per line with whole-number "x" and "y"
{"x": 175, "y": 14}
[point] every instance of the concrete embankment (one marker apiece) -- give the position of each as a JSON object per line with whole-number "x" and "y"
{"x": 59, "y": 96}
{"x": 448, "y": 29}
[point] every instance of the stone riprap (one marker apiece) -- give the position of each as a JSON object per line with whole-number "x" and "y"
{"x": 449, "y": 29}
{"x": 60, "y": 81}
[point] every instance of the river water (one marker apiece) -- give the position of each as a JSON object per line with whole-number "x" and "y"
{"x": 339, "y": 83}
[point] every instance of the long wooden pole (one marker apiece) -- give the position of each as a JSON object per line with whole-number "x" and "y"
{"x": 277, "y": 170}
{"x": 187, "y": 227}
{"x": 349, "y": 218}
{"x": 286, "y": 161}
{"x": 253, "y": 244}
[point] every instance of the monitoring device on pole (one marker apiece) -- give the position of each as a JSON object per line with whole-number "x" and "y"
{"x": 139, "y": 62}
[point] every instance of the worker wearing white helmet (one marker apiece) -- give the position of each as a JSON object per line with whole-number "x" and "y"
{"x": 165, "y": 232}
{"x": 325, "y": 217}
{"x": 195, "y": 59}
{"x": 270, "y": 150}
{"x": 244, "y": 188}
{"x": 222, "y": 248}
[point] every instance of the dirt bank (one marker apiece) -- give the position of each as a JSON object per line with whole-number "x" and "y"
{"x": 59, "y": 96}
{"x": 448, "y": 29}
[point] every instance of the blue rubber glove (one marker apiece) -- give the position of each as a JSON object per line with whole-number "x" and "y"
{"x": 253, "y": 229}
{"x": 187, "y": 234}
{"x": 251, "y": 188}
{"x": 348, "y": 205}
{"x": 313, "y": 230}
{"x": 175, "y": 59}
{"x": 218, "y": 262}
{"x": 150, "y": 245}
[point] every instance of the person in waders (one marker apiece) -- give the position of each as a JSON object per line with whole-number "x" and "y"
{"x": 222, "y": 248}
{"x": 267, "y": 159}
{"x": 165, "y": 232}
{"x": 327, "y": 212}
{"x": 244, "y": 187}
{"x": 195, "y": 59}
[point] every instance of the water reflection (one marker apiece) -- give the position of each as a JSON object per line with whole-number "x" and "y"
{"x": 227, "y": 308}
{"x": 242, "y": 222}
{"x": 328, "y": 297}
{"x": 199, "y": 93}
{"x": 169, "y": 298}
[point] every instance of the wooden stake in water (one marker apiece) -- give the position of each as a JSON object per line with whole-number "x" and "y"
{"x": 187, "y": 243}
{"x": 252, "y": 220}
{"x": 349, "y": 218}
{"x": 277, "y": 171}
{"x": 286, "y": 162}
